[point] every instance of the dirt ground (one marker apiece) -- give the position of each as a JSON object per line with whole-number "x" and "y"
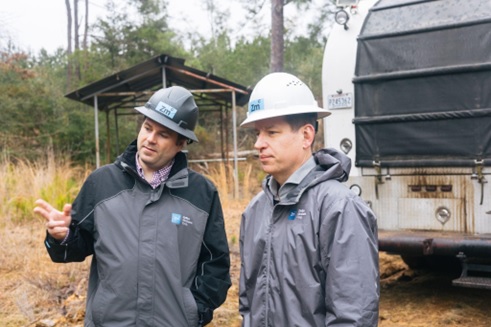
{"x": 426, "y": 298}
{"x": 408, "y": 298}
{"x": 420, "y": 298}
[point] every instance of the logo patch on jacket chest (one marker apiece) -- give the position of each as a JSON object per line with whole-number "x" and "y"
{"x": 293, "y": 214}
{"x": 179, "y": 219}
{"x": 297, "y": 214}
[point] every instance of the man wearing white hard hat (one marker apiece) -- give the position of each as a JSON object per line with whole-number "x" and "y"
{"x": 308, "y": 245}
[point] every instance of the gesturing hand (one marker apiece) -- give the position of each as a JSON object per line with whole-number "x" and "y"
{"x": 57, "y": 222}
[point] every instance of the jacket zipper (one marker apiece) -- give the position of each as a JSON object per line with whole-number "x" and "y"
{"x": 268, "y": 264}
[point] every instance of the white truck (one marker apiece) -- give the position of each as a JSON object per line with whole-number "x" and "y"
{"x": 408, "y": 83}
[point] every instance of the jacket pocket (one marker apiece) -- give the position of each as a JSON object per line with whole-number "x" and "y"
{"x": 99, "y": 304}
{"x": 190, "y": 307}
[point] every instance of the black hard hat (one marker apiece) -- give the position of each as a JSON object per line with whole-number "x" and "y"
{"x": 174, "y": 108}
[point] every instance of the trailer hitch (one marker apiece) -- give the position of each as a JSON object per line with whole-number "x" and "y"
{"x": 378, "y": 176}
{"x": 479, "y": 176}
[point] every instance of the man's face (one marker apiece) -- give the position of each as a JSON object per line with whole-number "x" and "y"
{"x": 281, "y": 150}
{"x": 157, "y": 145}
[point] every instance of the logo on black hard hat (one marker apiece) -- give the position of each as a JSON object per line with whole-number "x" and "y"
{"x": 166, "y": 110}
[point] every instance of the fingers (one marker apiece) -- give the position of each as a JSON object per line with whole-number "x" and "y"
{"x": 53, "y": 224}
{"x": 42, "y": 212}
{"x": 40, "y": 203}
{"x": 67, "y": 208}
{"x": 57, "y": 229}
{"x": 43, "y": 208}
{"x": 57, "y": 222}
{"x": 47, "y": 211}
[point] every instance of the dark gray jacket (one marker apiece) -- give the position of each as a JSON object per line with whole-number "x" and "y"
{"x": 311, "y": 259}
{"x": 160, "y": 257}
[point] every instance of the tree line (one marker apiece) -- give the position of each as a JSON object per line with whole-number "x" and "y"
{"x": 36, "y": 116}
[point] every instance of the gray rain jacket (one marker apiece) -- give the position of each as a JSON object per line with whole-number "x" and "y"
{"x": 311, "y": 259}
{"x": 160, "y": 256}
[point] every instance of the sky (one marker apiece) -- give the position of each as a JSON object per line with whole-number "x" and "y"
{"x": 36, "y": 24}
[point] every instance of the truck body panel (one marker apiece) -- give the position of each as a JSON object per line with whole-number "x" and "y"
{"x": 409, "y": 87}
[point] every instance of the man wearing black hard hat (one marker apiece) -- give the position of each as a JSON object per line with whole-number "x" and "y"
{"x": 154, "y": 227}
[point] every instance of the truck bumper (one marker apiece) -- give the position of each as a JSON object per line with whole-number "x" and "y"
{"x": 434, "y": 243}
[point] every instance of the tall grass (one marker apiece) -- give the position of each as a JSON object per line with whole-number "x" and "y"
{"x": 56, "y": 181}
{"x": 222, "y": 175}
{"x": 31, "y": 286}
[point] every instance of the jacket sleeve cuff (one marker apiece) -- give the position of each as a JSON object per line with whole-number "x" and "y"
{"x": 205, "y": 316}
{"x": 50, "y": 240}
{"x": 65, "y": 240}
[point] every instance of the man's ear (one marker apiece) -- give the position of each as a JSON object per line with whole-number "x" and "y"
{"x": 181, "y": 142}
{"x": 308, "y": 132}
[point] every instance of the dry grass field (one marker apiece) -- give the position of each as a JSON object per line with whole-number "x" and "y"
{"x": 34, "y": 292}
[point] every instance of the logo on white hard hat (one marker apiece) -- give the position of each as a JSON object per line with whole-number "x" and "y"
{"x": 256, "y": 105}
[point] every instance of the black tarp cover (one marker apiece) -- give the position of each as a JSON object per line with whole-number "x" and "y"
{"x": 423, "y": 84}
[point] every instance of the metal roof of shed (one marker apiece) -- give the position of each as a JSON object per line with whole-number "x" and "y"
{"x": 137, "y": 83}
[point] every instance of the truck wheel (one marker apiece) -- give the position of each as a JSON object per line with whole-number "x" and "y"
{"x": 447, "y": 264}
{"x": 414, "y": 261}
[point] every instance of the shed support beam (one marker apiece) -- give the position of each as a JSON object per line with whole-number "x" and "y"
{"x": 234, "y": 131}
{"x": 96, "y": 118}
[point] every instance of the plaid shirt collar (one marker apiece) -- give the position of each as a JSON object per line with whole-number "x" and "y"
{"x": 159, "y": 176}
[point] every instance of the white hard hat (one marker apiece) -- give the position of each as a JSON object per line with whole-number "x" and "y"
{"x": 281, "y": 94}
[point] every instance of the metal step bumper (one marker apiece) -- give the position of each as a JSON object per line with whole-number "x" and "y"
{"x": 474, "y": 275}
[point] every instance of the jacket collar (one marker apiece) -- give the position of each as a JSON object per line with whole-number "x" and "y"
{"x": 330, "y": 165}
{"x": 178, "y": 176}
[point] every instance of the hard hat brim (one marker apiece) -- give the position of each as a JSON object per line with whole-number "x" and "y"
{"x": 162, "y": 120}
{"x": 293, "y": 110}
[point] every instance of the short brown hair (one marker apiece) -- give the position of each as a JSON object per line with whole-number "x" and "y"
{"x": 299, "y": 120}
